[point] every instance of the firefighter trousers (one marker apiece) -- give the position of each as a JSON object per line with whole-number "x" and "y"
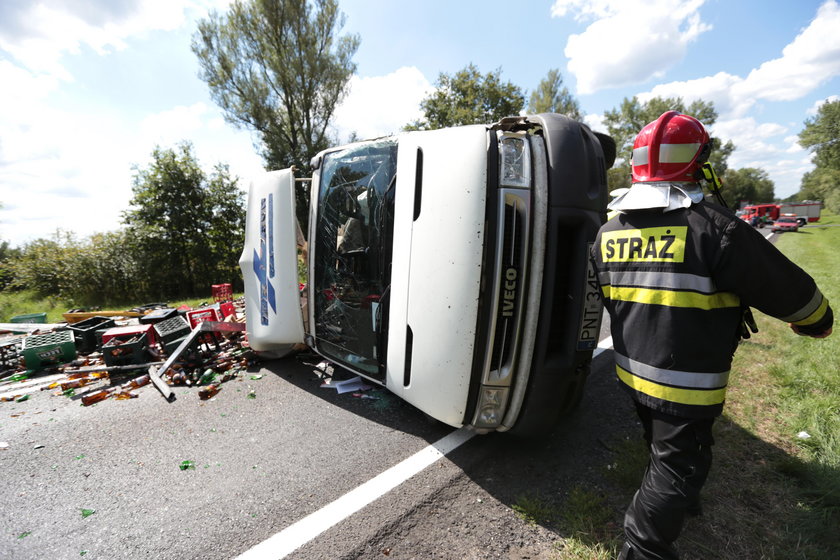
{"x": 680, "y": 458}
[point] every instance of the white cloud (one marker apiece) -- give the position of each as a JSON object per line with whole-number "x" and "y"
{"x": 809, "y": 61}
{"x": 38, "y": 34}
{"x": 381, "y": 105}
{"x": 718, "y": 89}
{"x": 793, "y": 146}
{"x": 73, "y": 170}
{"x": 596, "y": 123}
{"x": 765, "y": 146}
{"x": 653, "y": 36}
{"x": 173, "y": 125}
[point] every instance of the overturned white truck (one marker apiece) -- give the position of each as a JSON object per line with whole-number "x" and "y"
{"x": 449, "y": 266}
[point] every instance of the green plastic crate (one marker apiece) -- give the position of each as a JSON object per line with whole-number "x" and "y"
{"x": 45, "y": 350}
{"x": 30, "y": 318}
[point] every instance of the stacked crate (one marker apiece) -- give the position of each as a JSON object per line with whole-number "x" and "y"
{"x": 222, "y": 292}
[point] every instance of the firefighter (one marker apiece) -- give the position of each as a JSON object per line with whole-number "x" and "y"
{"x": 678, "y": 275}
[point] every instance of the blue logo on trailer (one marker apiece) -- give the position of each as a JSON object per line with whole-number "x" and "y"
{"x": 268, "y": 296}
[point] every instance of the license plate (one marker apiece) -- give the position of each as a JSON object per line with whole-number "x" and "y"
{"x": 590, "y": 317}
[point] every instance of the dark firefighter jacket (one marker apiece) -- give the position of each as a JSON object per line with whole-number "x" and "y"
{"x": 675, "y": 284}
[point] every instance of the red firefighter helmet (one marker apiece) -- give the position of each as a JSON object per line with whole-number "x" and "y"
{"x": 671, "y": 148}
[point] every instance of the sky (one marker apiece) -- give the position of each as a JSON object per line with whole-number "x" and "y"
{"x": 89, "y": 88}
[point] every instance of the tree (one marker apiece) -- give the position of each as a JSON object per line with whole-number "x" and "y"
{"x": 7, "y": 255}
{"x": 822, "y": 136}
{"x": 278, "y": 67}
{"x": 468, "y": 97}
{"x": 822, "y": 184}
{"x": 632, "y": 115}
{"x": 552, "y": 97}
{"x": 186, "y": 228}
{"x": 226, "y": 231}
{"x": 747, "y": 184}
{"x": 43, "y": 265}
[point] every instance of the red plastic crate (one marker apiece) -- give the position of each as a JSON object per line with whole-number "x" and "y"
{"x": 197, "y": 316}
{"x": 227, "y": 308}
{"x": 222, "y": 292}
{"x": 129, "y": 331}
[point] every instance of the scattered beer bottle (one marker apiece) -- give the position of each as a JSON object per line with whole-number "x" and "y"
{"x": 208, "y": 392}
{"x": 75, "y": 383}
{"x": 93, "y": 398}
{"x": 137, "y": 382}
{"x": 93, "y": 374}
{"x": 208, "y": 377}
{"x": 178, "y": 377}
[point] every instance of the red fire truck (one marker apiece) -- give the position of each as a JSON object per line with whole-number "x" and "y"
{"x": 807, "y": 211}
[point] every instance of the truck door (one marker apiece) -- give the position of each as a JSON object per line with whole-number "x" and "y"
{"x": 269, "y": 264}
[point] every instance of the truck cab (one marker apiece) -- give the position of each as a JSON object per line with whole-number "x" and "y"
{"x": 449, "y": 266}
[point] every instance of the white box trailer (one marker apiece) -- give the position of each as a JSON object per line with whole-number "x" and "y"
{"x": 449, "y": 266}
{"x": 806, "y": 211}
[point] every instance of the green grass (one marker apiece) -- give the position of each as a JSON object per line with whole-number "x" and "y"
{"x": 14, "y": 303}
{"x": 629, "y": 465}
{"x": 585, "y": 512}
{"x": 771, "y": 494}
{"x": 25, "y": 302}
{"x": 534, "y": 510}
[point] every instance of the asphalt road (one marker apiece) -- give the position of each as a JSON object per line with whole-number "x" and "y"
{"x": 262, "y": 463}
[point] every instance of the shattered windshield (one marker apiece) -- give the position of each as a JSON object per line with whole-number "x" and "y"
{"x": 353, "y": 254}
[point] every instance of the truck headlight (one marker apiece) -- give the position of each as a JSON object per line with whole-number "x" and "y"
{"x": 515, "y": 161}
{"x": 492, "y": 403}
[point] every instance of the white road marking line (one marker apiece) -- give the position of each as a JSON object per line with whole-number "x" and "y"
{"x": 30, "y": 385}
{"x": 296, "y": 535}
{"x": 768, "y": 235}
{"x": 301, "y": 532}
{"x": 605, "y": 344}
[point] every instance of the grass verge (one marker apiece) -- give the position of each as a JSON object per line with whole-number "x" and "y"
{"x": 24, "y": 302}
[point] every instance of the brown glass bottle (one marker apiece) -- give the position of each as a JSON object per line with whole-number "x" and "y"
{"x": 75, "y": 383}
{"x": 137, "y": 382}
{"x": 208, "y": 392}
{"x": 93, "y": 398}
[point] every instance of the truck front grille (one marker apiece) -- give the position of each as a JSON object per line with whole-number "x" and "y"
{"x": 510, "y": 280}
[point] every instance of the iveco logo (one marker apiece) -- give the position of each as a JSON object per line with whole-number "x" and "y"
{"x": 509, "y": 293}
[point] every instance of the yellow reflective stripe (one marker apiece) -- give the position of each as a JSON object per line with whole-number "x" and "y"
{"x": 671, "y": 394}
{"x": 670, "y": 298}
{"x": 815, "y": 316}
